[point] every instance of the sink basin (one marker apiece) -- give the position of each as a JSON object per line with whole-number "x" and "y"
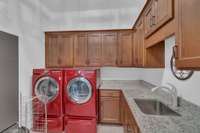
{"x": 154, "y": 107}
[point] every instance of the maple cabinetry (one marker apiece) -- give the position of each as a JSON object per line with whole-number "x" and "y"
{"x": 187, "y": 34}
{"x": 94, "y": 49}
{"x": 109, "y": 49}
{"x": 138, "y": 54}
{"x": 89, "y": 48}
{"x": 163, "y": 11}
{"x": 156, "y": 14}
{"x": 57, "y": 48}
{"x": 152, "y": 57}
{"x": 114, "y": 109}
{"x": 125, "y": 48}
{"x": 149, "y": 18}
{"x": 127, "y": 118}
{"x": 109, "y": 109}
{"x": 80, "y": 50}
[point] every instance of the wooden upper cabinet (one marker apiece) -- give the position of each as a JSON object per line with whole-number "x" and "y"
{"x": 187, "y": 34}
{"x": 51, "y": 50}
{"x": 157, "y": 13}
{"x": 109, "y": 49}
{"x": 94, "y": 49}
{"x": 80, "y": 50}
{"x": 149, "y": 17}
{"x": 125, "y": 41}
{"x": 163, "y": 11}
{"x": 58, "y": 47}
{"x": 138, "y": 53}
{"x": 135, "y": 48}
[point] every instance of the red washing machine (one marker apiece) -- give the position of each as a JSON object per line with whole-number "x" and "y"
{"x": 80, "y": 100}
{"x": 47, "y": 87}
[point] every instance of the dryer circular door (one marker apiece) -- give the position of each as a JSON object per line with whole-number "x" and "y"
{"x": 46, "y": 89}
{"x": 79, "y": 90}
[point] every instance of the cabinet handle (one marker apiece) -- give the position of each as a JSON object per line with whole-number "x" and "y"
{"x": 129, "y": 129}
{"x": 153, "y": 20}
{"x": 150, "y": 22}
{"x": 175, "y": 51}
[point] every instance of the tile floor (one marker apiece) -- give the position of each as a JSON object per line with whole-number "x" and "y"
{"x": 100, "y": 129}
{"x": 110, "y": 129}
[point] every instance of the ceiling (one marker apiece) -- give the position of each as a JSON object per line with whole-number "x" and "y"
{"x": 84, "y": 5}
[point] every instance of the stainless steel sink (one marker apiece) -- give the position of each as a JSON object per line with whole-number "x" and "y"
{"x": 154, "y": 107}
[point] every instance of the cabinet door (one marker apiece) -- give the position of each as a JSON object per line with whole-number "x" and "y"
{"x": 187, "y": 34}
{"x": 163, "y": 11}
{"x": 140, "y": 44}
{"x": 59, "y": 50}
{"x": 109, "y": 110}
{"x": 80, "y": 50}
{"x": 109, "y": 49}
{"x": 149, "y": 18}
{"x": 157, "y": 13}
{"x": 51, "y": 50}
{"x": 135, "y": 48}
{"x": 94, "y": 49}
{"x": 125, "y": 40}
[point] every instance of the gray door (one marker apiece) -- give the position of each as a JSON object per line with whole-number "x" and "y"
{"x": 8, "y": 80}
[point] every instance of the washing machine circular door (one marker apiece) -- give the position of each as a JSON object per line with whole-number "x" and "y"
{"x": 79, "y": 90}
{"x": 46, "y": 89}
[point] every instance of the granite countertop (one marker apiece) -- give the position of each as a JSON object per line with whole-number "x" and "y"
{"x": 188, "y": 122}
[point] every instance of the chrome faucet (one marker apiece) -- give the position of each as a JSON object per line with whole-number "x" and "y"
{"x": 172, "y": 90}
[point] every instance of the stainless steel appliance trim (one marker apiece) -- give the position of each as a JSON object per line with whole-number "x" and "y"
{"x": 78, "y": 100}
{"x": 37, "y": 85}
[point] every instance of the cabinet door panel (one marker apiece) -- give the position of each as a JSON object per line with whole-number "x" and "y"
{"x": 109, "y": 112}
{"x": 163, "y": 11}
{"x": 187, "y": 34}
{"x": 149, "y": 18}
{"x": 66, "y": 49}
{"x": 58, "y": 47}
{"x": 80, "y": 50}
{"x": 94, "y": 49}
{"x": 140, "y": 44}
{"x": 136, "y": 48}
{"x": 51, "y": 51}
{"x": 109, "y": 49}
{"x": 157, "y": 13}
{"x": 125, "y": 48}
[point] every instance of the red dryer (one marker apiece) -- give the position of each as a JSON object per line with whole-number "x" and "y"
{"x": 47, "y": 87}
{"x": 80, "y": 100}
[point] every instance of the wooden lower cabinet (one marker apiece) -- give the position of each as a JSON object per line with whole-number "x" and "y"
{"x": 109, "y": 107}
{"x": 127, "y": 118}
{"x": 115, "y": 110}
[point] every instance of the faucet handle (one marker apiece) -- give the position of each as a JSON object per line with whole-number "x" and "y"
{"x": 154, "y": 88}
